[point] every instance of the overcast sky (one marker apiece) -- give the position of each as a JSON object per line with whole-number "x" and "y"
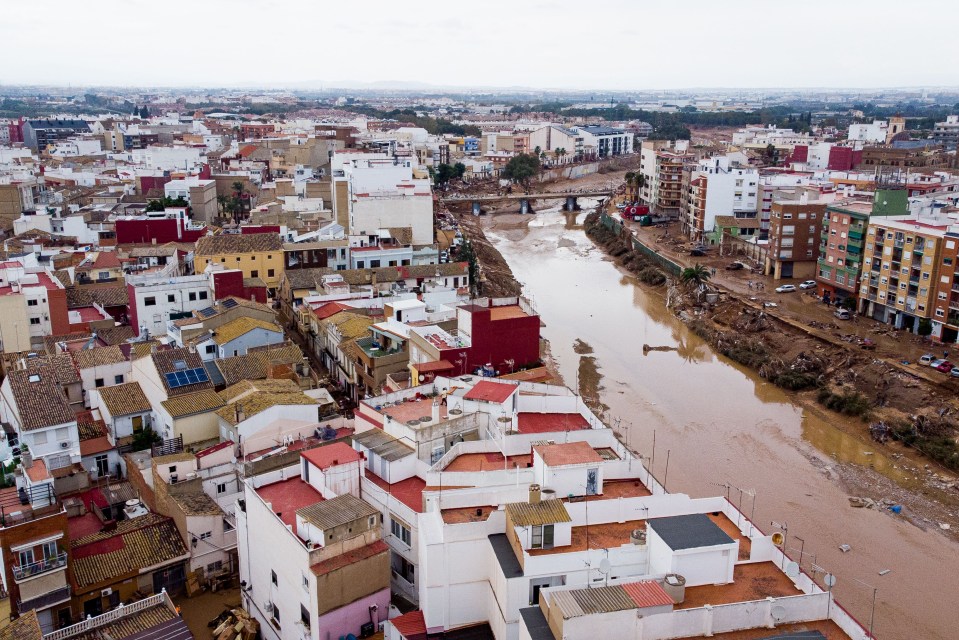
{"x": 594, "y": 44}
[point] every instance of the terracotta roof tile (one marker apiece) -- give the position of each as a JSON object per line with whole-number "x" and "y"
{"x": 647, "y": 593}
{"x": 196, "y": 503}
{"x": 98, "y": 357}
{"x": 229, "y": 244}
{"x": 260, "y": 401}
{"x": 495, "y": 392}
{"x": 192, "y": 403}
{"x": 253, "y": 366}
{"x": 26, "y": 627}
{"x": 124, "y": 399}
{"x": 39, "y": 398}
{"x": 241, "y": 326}
{"x": 331, "y": 455}
{"x": 166, "y": 362}
{"x": 410, "y": 625}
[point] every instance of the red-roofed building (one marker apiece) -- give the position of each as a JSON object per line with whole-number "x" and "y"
{"x": 333, "y": 469}
{"x": 648, "y": 593}
{"x": 493, "y": 392}
{"x": 411, "y": 626}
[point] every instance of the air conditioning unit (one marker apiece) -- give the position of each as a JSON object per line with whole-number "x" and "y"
{"x": 106, "y": 592}
{"x": 64, "y": 445}
{"x": 268, "y": 607}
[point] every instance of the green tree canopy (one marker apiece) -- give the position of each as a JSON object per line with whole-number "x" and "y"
{"x": 521, "y": 168}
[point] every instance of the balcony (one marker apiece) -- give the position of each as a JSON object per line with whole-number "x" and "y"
{"x": 44, "y": 601}
{"x": 25, "y": 571}
{"x": 855, "y": 235}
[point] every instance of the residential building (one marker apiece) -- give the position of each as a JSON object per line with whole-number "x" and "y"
{"x": 605, "y": 141}
{"x": 237, "y": 337}
{"x": 917, "y": 154}
{"x": 947, "y": 133}
{"x": 181, "y": 394}
{"x": 794, "y": 235}
{"x": 661, "y": 167}
{"x": 43, "y": 297}
{"x": 159, "y": 297}
{"x": 35, "y": 543}
{"x": 902, "y": 259}
{"x": 257, "y": 255}
{"x": 101, "y": 367}
{"x": 210, "y": 317}
{"x": 872, "y": 133}
{"x": 316, "y": 567}
{"x": 37, "y": 134}
{"x": 125, "y": 411}
{"x": 717, "y": 186}
{"x": 551, "y": 137}
{"x": 841, "y": 249}
{"x": 945, "y": 320}
{"x": 33, "y": 402}
{"x": 199, "y": 193}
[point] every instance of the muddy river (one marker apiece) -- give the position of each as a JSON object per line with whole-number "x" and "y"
{"x": 720, "y": 424}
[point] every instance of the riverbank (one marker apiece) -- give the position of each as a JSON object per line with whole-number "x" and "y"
{"x": 819, "y": 372}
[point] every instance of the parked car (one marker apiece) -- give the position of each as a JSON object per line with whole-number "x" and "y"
{"x": 927, "y": 359}
{"x": 954, "y": 372}
{"x": 843, "y": 314}
{"x": 808, "y": 284}
{"x": 938, "y": 361}
{"x": 785, "y": 288}
{"x": 699, "y": 253}
{"x": 945, "y": 367}
{"x": 735, "y": 266}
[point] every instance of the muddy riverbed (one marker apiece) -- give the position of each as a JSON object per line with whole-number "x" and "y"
{"x": 725, "y": 430}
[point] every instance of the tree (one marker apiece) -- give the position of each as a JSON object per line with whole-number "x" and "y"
{"x": 145, "y": 439}
{"x": 521, "y": 168}
{"x": 695, "y": 277}
{"x": 466, "y": 254}
{"x": 925, "y": 327}
{"x": 459, "y": 170}
{"x": 444, "y": 173}
{"x": 144, "y": 112}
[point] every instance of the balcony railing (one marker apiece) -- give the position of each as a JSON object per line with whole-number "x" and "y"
{"x": 46, "y": 600}
{"x": 24, "y": 571}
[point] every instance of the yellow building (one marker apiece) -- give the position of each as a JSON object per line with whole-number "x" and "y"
{"x": 257, "y": 255}
{"x": 900, "y": 266}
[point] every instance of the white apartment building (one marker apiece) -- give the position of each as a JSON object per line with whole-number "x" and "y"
{"x": 761, "y": 137}
{"x": 871, "y": 133}
{"x": 157, "y": 298}
{"x": 723, "y": 187}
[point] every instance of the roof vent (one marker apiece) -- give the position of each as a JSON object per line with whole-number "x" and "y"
{"x": 34, "y": 377}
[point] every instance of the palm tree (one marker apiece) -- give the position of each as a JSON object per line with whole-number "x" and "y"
{"x": 695, "y": 277}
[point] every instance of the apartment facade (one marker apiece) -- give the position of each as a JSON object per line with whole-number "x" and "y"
{"x": 717, "y": 186}
{"x": 257, "y": 255}
{"x": 841, "y": 247}
{"x": 794, "y": 236}
{"x": 661, "y": 166}
{"x": 902, "y": 255}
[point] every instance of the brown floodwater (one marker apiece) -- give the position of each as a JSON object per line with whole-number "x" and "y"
{"x": 720, "y": 424}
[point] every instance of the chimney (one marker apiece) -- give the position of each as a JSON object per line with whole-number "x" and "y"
{"x": 436, "y": 411}
{"x": 238, "y": 413}
{"x": 535, "y": 493}
{"x": 26, "y": 458}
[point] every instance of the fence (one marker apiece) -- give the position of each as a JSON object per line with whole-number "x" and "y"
{"x": 109, "y": 617}
{"x": 662, "y": 262}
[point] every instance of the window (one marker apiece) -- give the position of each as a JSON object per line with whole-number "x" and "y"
{"x": 211, "y": 348}
{"x": 34, "y": 320}
{"x": 360, "y": 264}
{"x": 254, "y": 273}
{"x": 787, "y": 216}
{"x": 808, "y": 253}
{"x": 40, "y": 437}
{"x": 840, "y": 278}
{"x": 304, "y": 616}
{"x": 276, "y": 611}
{"x": 220, "y": 488}
{"x": 270, "y": 273}
{"x": 214, "y": 567}
{"x": 206, "y": 535}
{"x": 788, "y": 230}
{"x": 31, "y": 303}
{"x": 171, "y": 298}
{"x": 542, "y": 537}
{"x": 118, "y": 379}
{"x": 50, "y": 550}
{"x": 812, "y": 228}
{"x": 273, "y": 578}
{"x": 374, "y": 264}
{"x": 939, "y": 313}
{"x": 306, "y": 583}
{"x": 802, "y": 216}
{"x": 238, "y": 258}
{"x": 227, "y": 526}
{"x": 192, "y": 296}
{"x": 400, "y": 531}
{"x": 203, "y": 295}
{"x": 98, "y": 382}
{"x": 149, "y": 301}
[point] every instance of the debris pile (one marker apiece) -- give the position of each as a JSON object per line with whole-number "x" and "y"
{"x": 234, "y": 624}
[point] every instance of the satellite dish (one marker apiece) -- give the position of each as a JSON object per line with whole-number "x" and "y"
{"x": 422, "y": 377}
{"x": 792, "y": 569}
{"x": 604, "y": 566}
{"x": 829, "y": 580}
{"x": 778, "y": 538}
{"x": 778, "y": 612}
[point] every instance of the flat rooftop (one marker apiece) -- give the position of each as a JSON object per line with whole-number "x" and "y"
{"x": 492, "y": 461}
{"x": 599, "y": 536}
{"x": 409, "y": 491}
{"x": 287, "y": 496}
{"x": 801, "y": 630}
{"x": 550, "y": 422}
{"x": 467, "y": 514}
{"x": 507, "y": 312}
{"x": 415, "y": 410}
{"x": 298, "y": 444}
{"x": 754, "y": 581}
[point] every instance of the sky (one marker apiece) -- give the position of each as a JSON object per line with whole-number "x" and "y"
{"x": 564, "y": 44}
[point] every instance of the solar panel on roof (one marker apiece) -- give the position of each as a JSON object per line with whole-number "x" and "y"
{"x": 176, "y": 379}
{"x": 206, "y": 313}
{"x": 229, "y": 303}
